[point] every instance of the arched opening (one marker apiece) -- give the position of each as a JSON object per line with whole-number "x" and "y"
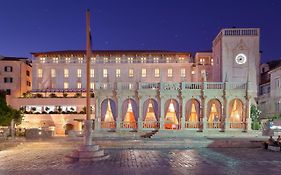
{"x": 129, "y": 114}
{"x": 214, "y": 114}
{"x": 171, "y": 114}
{"x": 192, "y": 113}
{"x": 150, "y": 111}
{"x": 236, "y": 113}
{"x": 108, "y": 114}
{"x": 68, "y": 127}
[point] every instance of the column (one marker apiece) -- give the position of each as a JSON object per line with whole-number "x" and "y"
{"x": 119, "y": 112}
{"x": 140, "y": 119}
{"x": 247, "y": 119}
{"x": 98, "y": 114}
{"x": 183, "y": 102}
{"x": 225, "y": 116}
{"x": 204, "y": 114}
{"x": 162, "y": 113}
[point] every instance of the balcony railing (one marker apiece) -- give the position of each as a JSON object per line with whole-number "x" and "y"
{"x": 192, "y": 125}
{"x": 186, "y": 85}
{"x": 150, "y": 125}
{"x": 129, "y": 125}
{"x": 211, "y": 85}
{"x": 149, "y": 85}
{"x": 170, "y": 86}
{"x": 109, "y": 125}
{"x": 215, "y": 125}
{"x": 237, "y": 125}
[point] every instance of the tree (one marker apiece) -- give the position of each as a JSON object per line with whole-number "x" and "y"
{"x": 7, "y": 113}
{"x": 255, "y": 116}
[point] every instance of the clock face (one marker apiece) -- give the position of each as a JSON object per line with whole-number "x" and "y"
{"x": 241, "y": 58}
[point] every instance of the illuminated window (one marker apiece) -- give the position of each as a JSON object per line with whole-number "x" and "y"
{"x": 193, "y": 72}
{"x": 181, "y": 59}
{"x": 105, "y": 85}
{"x": 131, "y": 72}
{"x": 157, "y": 72}
{"x": 92, "y": 73}
{"x": 92, "y": 85}
{"x": 79, "y": 85}
{"x": 212, "y": 61}
{"x": 182, "y": 72}
{"x": 168, "y": 60}
{"x": 40, "y": 73}
{"x": 93, "y": 59}
{"x": 104, "y": 73}
{"x": 42, "y": 60}
{"x": 65, "y": 85}
{"x": 143, "y": 73}
{"x": 67, "y": 60}
{"x": 55, "y": 60}
{"x": 131, "y": 86}
{"x": 80, "y": 60}
{"x": 118, "y": 72}
{"x": 155, "y": 59}
{"x": 202, "y": 61}
{"x": 79, "y": 73}
{"x": 105, "y": 60}
{"x": 143, "y": 59}
{"x": 118, "y": 60}
{"x": 170, "y": 72}
{"x": 66, "y": 73}
{"x": 53, "y": 73}
{"x": 130, "y": 59}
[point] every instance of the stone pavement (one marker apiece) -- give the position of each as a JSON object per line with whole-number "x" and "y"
{"x": 46, "y": 157}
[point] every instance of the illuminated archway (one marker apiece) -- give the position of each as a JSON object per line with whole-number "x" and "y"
{"x": 214, "y": 113}
{"x": 192, "y": 113}
{"x": 150, "y": 111}
{"x": 235, "y": 113}
{"x": 171, "y": 114}
{"x": 108, "y": 113}
{"x": 129, "y": 113}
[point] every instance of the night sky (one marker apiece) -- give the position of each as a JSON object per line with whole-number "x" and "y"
{"x": 178, "y": 25}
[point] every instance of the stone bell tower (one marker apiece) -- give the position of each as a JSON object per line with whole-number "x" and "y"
{"x": 236, "y": 55}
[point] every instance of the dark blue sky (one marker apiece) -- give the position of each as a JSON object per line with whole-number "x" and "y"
{"x": 181, "y": 25}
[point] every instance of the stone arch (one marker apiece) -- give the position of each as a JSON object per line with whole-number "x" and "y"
{"x": 236, "y": 113}
{"x": 108, "y": 113}
{"x": 68, "y": 127}
{"x": 130, "y": 113}
{"x": 192, "y": 116}
{"x": 214, "y": 113}
{"x": 155, "y": 108}
{"x": 172, "y": 114}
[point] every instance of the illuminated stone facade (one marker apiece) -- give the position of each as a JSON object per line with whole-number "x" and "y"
{"x": 155, "y": 89}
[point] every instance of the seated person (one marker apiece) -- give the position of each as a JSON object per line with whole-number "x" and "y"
{"x": 270, "y": 142}
{"x": 278, "y": 140}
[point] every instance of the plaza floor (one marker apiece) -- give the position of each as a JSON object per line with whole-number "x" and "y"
{"x": 46, "y": 157}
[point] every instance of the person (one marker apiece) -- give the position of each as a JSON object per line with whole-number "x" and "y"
{"x": 278, "y": 140}
{"x": 270, "y": 141}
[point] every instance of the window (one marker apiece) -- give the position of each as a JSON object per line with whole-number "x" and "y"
{"x": 28, "y": 83}
{"x": 143, "y": 59}
{"x": 168, "y": 60}
{"x": 8, "y": 80}
{"x": 92, "y": 85}
{"x": 67, "y": 60}
{"x": 66, "y": 73}
{"x": 143, "y": 73}
{"x": 53, "y": 73}
{"x": 182, "y": 72}
{"x": 80, "y": 60}
{"x": 202, "y": 61}
{"x": 170, "y": 72}
{"x": 104, "y": 73}
{"x": 79, "y": 85}
{"x": 55, "y": 60}
{"x": 42, "y": 60}
{"x": 65, "y": 85}
{"x": 8, "y": 69}
{"x": 155, "y": 59}
{"x": 39, "y": 73}
{"x": 118, "y": 72}
{"x": 277, "y": 83}
{"x": 93, "y": 59}
{"x": 181, "y": 59}
{"x": 105, "y": 60}
{"x": 193, "y": 72}
{"x": 130, "y": 59}
{"x": 118, "y": 60}
{"x": 212, "y": 61}
{"x": 277, "y": 106}
{"x": 92, "y": 73}
{"x": 157, "y": 72}
{"x": 79, "y": 73}
{"x": 28, "y": 73}
{"x": 131, "y": 86}
{"x": 131, "y": 72}
{"x": 8, "y": 91}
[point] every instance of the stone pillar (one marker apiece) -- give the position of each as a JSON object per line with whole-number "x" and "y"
{"x": 247, "y": 119}
{"x": 98, "y": 115}
{"x": 119, "y": 111}
{"x": 140, "y": 119}
{"x": 162, "y": 113}
{"x": 204, "y": 114}
{"x": 225, "y": 119}
{"x": 183, "y": 102}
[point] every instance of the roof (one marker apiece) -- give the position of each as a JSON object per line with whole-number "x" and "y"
{"x": 13, "y": 58}
{"x": 82, "y": 52}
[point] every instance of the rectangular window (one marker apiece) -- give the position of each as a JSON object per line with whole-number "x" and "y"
{"x": 143, "y": 73}
{"x": 105, "y": 60}
{"x": 155, "y": 59}
{"x": 53, "y": 73}
{"x": 212, "y": 61}
{"x": 93, "y": 59}
{"x": 79, "y": 85}
{"x": 80, "y": 60}
{"x": 92, "y": 73}
{"x": 65, "y": 85}
{"x": 131, "y": 72}
{"x": 55, "y": 60}
{"x": 143, "y": 59}
{"x": 104, "y": 73}
{"x": 67, "y": 60}
{"x": 92, "y": 85}
{"x": 118, "y": 72}
{"x": 130, "y": 59}
{"x": 181, "y": 59}
{"x": 27, "y": 73}
{"x": 8, "y": 69}
{"x": 202, "y": 61}
{"x": 79, "y": 73}
{"x": 39, "y": 73}
{"x": 8, "y": 80}
{"x": 42, "y": 60}
{"x": 170, "y": 72}
{"x": 182, "y": 72}
{"x": 118, "y": 60}
{"x": 168, "y": 60}
{"x": 66, "y": 73}
{"x": 131, "y": 86}
{"x": 8, "y": 91}
{"x": 156, "y": 72}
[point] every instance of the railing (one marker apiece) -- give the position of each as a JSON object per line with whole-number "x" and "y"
{"x": 192, "y": 124}
{"x": 132, "y": 125}
{"x": 151, "y": 124}
{"x": 126, "y": 85}
{"x": 185, "y": 85}
{"x": 214, "y": 125}
{"x": 169, "y": 125}
{"x": 237, "y": 125}
{"x": 211, "y": 85}
{"x": 148, "y": 85}
{"x": 236, "y": 86}
{"x": 170, "y": 86}
{"x": 104, "y": 86}
{"x": 109, "y": 125}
